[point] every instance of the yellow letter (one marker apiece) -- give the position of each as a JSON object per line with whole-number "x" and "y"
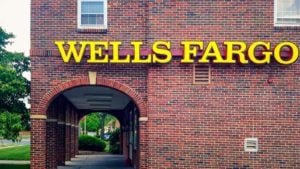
{"x": 240, "y": 52}
{"x": 165, "y": 52}
{"x": 137, "y": 55}
{"x": 97, "y": 52}
{"x": 267, "y": 55}
{"x": 212, "y": 46}
{"x": 294, "y": 56}
{"x": 71, "y": 52}
{"x": 116, "y": 57}
{"x": 188, "y": 52}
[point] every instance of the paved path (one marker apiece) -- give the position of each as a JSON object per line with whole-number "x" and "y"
{"x": 97, "y": 162}
{"x": 13, "y": 162}
{"x": 25, "y": 141}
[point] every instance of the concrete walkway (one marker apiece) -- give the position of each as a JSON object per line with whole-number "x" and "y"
{"x": 96, "y": 162}
{"x": 25, "y": 141}
{"x": 13, "y": 162}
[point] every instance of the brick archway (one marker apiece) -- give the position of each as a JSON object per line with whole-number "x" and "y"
{"x": 50, "y": 96}
{"x": 42, "y": 157}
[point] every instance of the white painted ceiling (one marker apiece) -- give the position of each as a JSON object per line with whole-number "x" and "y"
{"x": 97, "y": 98}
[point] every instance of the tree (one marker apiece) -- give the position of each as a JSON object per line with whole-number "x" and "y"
{"x": 97, "y": 121}
{"x": 13, "y": 87}
{"x": 10, "y": 125}
{"x": 102, "y": 124}
{"x": 92, "y": 122}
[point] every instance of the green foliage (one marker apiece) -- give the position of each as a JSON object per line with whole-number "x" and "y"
{"x": 92, "y": 122}
{"x": 13, "y": 87}
{"x": 91, "y": 143}
{"x": 114, "y": 141}
{"x": 10, "y": 125}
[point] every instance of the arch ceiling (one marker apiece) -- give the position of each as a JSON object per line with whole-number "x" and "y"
{"x": 97, "y": 98}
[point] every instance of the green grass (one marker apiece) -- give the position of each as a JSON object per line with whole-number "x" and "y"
{"x": 15, "y": 153}
{"x": 13, "y": 166}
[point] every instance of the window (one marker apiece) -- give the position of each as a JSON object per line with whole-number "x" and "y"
{"x": 287, "y": 12}
{"x": 92, "y": 14}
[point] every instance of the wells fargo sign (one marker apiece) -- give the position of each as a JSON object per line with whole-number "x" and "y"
{"x": 193, "y": 51}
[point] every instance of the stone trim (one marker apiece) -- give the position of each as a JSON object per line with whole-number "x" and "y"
{"x": 93, "y": 78}
{"x": 143, "y": 119}
{"x": 39, "y": 117}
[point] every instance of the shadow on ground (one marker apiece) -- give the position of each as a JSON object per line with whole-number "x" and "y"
{"x": 97, "y": 162}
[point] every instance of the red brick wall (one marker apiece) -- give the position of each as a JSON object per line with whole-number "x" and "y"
{"x": 204, "y": 126}
{"x": 190, "y": 126}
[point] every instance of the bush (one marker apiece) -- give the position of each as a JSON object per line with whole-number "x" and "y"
{"x": 91, "y": 143}
{"x": 114, "y": 141}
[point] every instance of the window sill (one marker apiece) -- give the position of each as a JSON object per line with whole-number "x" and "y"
{"x": 287, "y": 27}
{"x": 91, "y": 30}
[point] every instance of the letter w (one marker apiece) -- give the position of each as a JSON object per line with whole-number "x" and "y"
{"x": 71, "y": 51}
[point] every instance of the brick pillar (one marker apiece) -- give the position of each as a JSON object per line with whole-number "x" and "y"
{"x": 68, "y": 135}
{"x": 51, "y": 144}
{"x": 73, "y": 130}
{"x": 61, "y": 152}
{"x": 38, "y": 142}
{"x": 142, "y": 149}
{"x": 51, "y": 138}
{"x": 61, "y": 129}
{"x": 76, "y": 133}
{"x": 125, "y": 144}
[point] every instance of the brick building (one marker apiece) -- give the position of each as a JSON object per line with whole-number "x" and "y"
{"x": 172, "y": 115}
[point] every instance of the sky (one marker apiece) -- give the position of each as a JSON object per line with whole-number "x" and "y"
{"x": 15, "y": 18}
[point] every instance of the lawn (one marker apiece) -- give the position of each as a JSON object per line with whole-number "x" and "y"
{"x": 15, "y": 153}
{"x": 12, "y": 166}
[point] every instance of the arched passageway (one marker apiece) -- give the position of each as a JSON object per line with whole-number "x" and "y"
{"x": 68, "y": 106}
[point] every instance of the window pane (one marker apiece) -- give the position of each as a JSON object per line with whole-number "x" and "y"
{"x": 92, "y": 19}
{"x": 84, "y": 19}
{"x": 288, "y": 8}
{"x": 100, "y": 19}
{"x": 92, "y": 7}
{"x": 88, "y": 19}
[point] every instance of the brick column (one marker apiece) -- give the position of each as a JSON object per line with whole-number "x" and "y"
{"x": 76, "y": 133}
{"x": 51, "y": 138}
{"x": 142, "y": 149}
{"x": 73, "y": 130}
{"x": 61, "y": 129}
{"x": 51, "y": 144}
{"x": 68, "y": 135}
{"x": 61, "y": 152}
{"x": 38, "y": 142}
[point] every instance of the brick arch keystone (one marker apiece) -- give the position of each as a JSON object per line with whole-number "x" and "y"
{"x": 51, "y": 95}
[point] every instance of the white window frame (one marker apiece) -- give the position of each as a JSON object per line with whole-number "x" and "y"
{"x": 275, "y": 17}
{"x": 79, "y": 26}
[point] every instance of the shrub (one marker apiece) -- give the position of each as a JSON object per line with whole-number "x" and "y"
{"x": 91, "y": 143}
{"x": 114, "y": 141}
